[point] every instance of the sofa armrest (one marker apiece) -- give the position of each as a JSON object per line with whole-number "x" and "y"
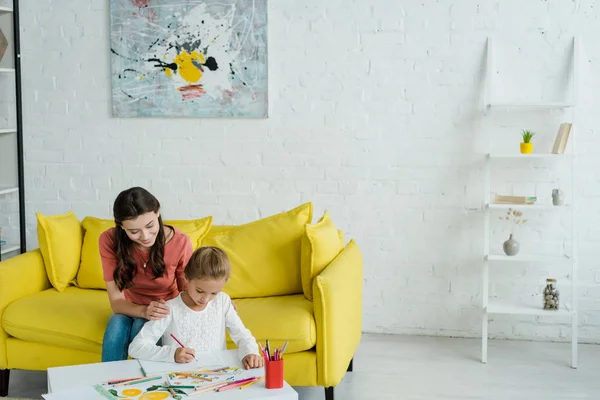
{"x": 338, "y": 314}
{"x": 20, "y": 276}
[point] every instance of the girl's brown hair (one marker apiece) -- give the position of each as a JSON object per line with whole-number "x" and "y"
{"x": 208, "y": 263}
{"x": 130, "y": 204}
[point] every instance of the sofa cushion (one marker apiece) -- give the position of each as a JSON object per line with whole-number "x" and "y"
{"x": 279, "y": 319}
{"x": 75, "y": 318}
{"x": 321, "y": 243}
{"x": 60, "y": 239}
{"x": 264, "y": 254}
{"x": 90, "y": 274}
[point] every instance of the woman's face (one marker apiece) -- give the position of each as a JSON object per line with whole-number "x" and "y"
{"x": 143, "y": 229}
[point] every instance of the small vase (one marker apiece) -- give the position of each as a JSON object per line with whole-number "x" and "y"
{"x": 558, "y": 198}
{"x": 511, "y": 246}
{"x": 526, "y": 148}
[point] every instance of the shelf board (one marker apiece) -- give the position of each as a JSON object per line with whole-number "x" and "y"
{"x": 528, "y": 258}
{"x": 5, "y": 10}
{"x": 4, "y": 131}
{"x": 493, "y": 206}
{"x": 524, "y": 156}
{"x": 8, "y": 189}
{"x": 9, "y": 248}
{"x": 534, "y": 104}
{"x": 498, "y": 307}
{"x": 9, "y": 70}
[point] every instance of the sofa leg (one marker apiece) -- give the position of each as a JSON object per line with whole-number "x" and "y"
{"x": 350, "y": 365}
{"x": 329, "y": 393}
{"x": 4, "y": 375}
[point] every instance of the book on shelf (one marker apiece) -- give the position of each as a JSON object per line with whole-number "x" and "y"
{"x": 500, "y": 199}
{"x": 562, "y": 137}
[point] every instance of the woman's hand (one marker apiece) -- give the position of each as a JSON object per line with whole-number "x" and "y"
{"x": 252, "y": 361}
{"x": 184, "y": 355}
{"x": 156, "y": 310}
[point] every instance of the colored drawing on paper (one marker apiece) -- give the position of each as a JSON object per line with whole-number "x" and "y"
{"x": 189, "y": 58}
{"x": 142, "y": 391}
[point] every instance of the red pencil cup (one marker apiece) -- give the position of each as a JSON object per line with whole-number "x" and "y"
{"x": 274, "y": 374}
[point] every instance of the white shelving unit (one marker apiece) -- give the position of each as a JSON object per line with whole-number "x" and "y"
{"x": 8, "y": 189}
{"x": 492, "y": 306}
{"x": 11, "y": 136}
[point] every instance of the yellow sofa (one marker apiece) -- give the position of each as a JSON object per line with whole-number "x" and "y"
{"x": 315, "y": 304}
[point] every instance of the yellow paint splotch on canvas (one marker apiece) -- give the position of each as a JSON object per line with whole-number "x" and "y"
{"x": 185, "y": 65}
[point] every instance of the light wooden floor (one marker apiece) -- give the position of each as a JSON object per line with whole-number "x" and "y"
{"x": 404, "y": 367}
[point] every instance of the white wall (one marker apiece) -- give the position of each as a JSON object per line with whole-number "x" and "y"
{"x": 375, "y": 115}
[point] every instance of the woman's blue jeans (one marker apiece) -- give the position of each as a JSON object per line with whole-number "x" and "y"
{"x": 119, "y": 333}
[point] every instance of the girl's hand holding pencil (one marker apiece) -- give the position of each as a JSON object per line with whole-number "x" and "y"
{"x": 184, "y": 355}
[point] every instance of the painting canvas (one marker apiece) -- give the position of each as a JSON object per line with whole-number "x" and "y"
{"x": 189, "y": 58}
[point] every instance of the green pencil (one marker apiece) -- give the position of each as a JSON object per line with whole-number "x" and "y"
{"x": 142, "y": 367}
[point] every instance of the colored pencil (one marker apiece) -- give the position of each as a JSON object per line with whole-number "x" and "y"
{"x": 177, "y": 340}
{"x": 142, "y": 367}
{"x": 175, "y": 396}
{"x": 284, "y": 347}
{"x": 180, "y": 387}
{"x": 193, "y": 376}
{"x": 244, "y": 386}
{"x": 115, "y": 381}
{"x": 206, "y": 388}
{"x": 135, "y": 382}
{"x": 235, "y": 384}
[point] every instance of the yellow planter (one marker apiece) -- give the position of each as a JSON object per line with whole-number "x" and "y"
{"x": 526, "y": 148}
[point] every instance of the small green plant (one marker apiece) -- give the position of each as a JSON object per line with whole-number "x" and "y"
{"x": 527, "y": 136}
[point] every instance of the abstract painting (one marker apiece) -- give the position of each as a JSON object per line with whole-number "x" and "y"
{"x": 189, "y": 58}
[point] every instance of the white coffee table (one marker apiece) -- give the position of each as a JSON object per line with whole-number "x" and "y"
{"x": 64, "y": 378}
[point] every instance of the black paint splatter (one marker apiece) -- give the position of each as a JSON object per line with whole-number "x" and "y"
{"x": 127, "y": 94}
{"x": 153, "y": 43}
{"x": 162, "y": 64}
{"x": 128, "y": 58}
{"x": 211, "y": 64}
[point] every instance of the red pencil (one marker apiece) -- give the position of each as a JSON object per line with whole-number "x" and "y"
{"x": 177, "y": 340}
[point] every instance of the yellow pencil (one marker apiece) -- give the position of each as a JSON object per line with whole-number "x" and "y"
{"x": 251, "y": 383}
{"x": 188, "y": 375}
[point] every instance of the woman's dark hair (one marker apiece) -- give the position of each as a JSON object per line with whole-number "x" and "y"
{"x": 130, "y": 204}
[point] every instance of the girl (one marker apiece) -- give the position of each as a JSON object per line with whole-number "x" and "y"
{"x": 198, "y": 317}
{"x": 143, "y": 262}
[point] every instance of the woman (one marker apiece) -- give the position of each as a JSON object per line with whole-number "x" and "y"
{"x": 143, "y": 262}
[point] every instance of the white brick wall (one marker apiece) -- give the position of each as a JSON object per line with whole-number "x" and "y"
{"x": 375, "y": 115}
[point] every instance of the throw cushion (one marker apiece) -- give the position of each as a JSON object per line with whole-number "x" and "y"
{"x": 60, "y": 238}
{"x": 90, "y": 272}
{"x": 295, "y": 321}
{"x": 264, "y": 254}
{"x": 321, "y": 243}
